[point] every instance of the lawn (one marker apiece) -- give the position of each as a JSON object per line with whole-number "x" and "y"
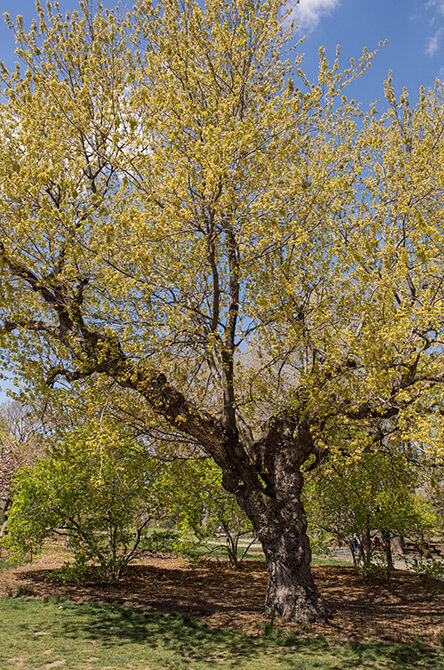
{"x": 59, "y": 633}
{"x": 167, "y": 613}
{"x": 219, "y": 550}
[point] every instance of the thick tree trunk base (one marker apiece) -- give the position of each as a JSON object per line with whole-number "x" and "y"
{"x": 292, "y": 595}
{"x": 278, "y": 517}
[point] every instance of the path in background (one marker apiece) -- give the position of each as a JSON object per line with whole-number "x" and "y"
{"x": 342, "y": 554}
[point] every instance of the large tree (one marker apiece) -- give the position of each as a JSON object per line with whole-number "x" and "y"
{"x": 260, "y": 262}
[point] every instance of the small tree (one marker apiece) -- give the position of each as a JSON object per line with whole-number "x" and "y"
{"x": 93, "y": 488}
{"x": 372, "y": 492}
{"x": 191, "y": 493}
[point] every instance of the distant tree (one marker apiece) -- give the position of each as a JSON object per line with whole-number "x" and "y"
{"x": 20, "y": 444}
{"x": 190, "y": 492}
{"x": 8, "y": 467}
{"x": 174, "y": 194}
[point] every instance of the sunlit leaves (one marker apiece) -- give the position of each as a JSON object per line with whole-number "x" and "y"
{"x": 177, "y": 165}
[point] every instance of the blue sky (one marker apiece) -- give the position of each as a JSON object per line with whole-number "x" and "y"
{"x": 414, "y": 30}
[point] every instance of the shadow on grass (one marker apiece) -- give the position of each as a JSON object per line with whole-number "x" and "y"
{"x": 193, "y": 640}
{"x": 185, "y": 636}
{"x": 414, "y": 655}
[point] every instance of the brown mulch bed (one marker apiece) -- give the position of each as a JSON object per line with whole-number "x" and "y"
{"x": 363, "y": 608}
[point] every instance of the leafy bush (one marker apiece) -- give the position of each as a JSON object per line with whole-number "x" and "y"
{"x": 426, "y": 566}
{"x": 193, "y": 498}
{"x": 160, "y": 541}
{"x": 94, "y": 488}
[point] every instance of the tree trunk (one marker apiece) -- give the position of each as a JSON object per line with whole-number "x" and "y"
{"x": 353, "y": 550}
{"x": 280, "y": 523}
{"x": 291, "y": 591}
{"x": 368, "y": 545}
{"x": 4, "y": 506}
{"x": 267, "y": 484}
{"x": 386, "y": 538}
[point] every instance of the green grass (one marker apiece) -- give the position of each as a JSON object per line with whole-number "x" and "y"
{"x": 219, "y": 551}
{"x": 7, "y": 563}
{"x": 37, "y": 633}
{"x": 329, "y": 561}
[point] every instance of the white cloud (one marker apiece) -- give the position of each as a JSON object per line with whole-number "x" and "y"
{"x": 434, "y": 43}
{"x": 438, "y": 4}
{"x": 435, "y": 13}
{"x": 307, "y": 13}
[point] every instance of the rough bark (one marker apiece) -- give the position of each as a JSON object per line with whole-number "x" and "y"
{"x": 278, "y": 517}
{"x": 281, "y": 528}
{"x": 291, "y": 592}
{"x": 4, "y": 506}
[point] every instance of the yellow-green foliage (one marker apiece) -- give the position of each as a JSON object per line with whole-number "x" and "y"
{"x": 170, "y": 181}
{"x": 95, "y": 488}
{"x": 190, "y": 492}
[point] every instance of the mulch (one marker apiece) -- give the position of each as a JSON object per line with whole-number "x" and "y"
{"x": 363, "y": 608}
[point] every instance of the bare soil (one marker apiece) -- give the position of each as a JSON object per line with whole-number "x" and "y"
{"x": 407, "y": 608}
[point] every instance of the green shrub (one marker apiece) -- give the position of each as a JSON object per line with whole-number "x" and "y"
{"x": 93, "y": 488}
